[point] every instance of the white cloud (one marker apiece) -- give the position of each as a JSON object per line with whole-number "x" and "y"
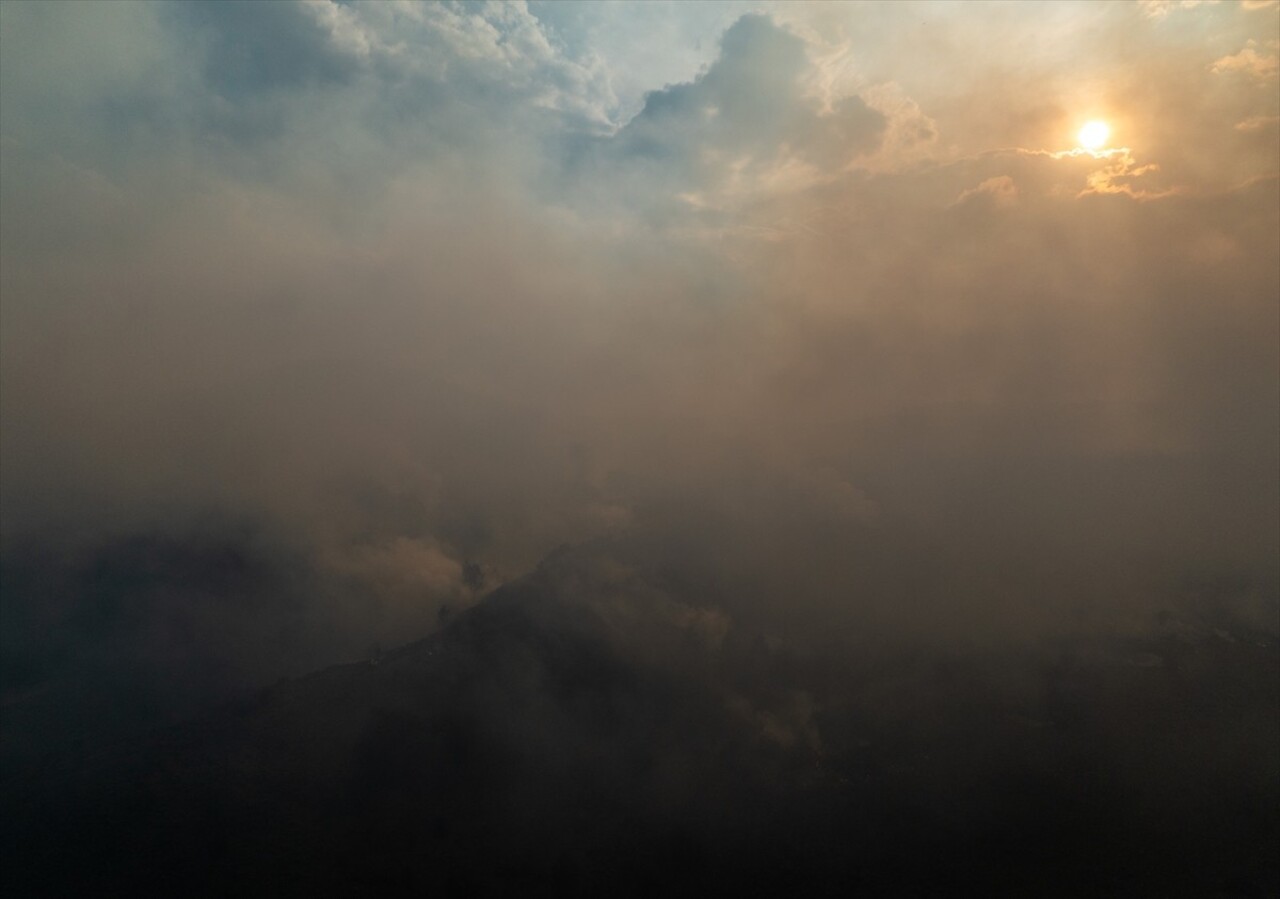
{"x": 1257, "y": 123}
{"x": 1158, "y": 9}
{"x": 1001, "y": 190}
{"x": 1248, "y": 61}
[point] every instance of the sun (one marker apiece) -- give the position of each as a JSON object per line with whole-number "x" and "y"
{"x": 1094, "y": 134}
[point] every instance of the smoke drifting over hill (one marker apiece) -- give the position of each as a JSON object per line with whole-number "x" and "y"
{"x": 807, "y": 324}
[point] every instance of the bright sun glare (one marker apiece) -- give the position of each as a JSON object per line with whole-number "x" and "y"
{"x": 1093, "y": 135}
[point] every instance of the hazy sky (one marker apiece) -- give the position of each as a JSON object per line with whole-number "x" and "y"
{"x": 818, "y": 311}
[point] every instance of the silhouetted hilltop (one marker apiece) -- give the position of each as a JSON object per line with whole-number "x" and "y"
{"x": 582, "y": 732}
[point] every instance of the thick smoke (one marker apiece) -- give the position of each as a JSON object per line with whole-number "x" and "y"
{"x": 695, "y": 447}
{"x": 321, "y": 321}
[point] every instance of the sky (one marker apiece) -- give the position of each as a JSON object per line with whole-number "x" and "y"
{"x": 320, "y": 320}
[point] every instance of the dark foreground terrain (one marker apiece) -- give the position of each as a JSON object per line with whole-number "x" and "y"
{"x": 578, "y": 734}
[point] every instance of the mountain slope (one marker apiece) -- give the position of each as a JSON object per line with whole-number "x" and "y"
{"x": 581, "y": 732}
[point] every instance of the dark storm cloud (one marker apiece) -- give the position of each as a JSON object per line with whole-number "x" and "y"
{"x": 750, "y": 102}
{"x": 749, "y": 114}
{"x": 249, "y": 51}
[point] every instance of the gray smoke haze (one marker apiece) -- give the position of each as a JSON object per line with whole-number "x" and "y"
{"x": 321, "y": 318}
